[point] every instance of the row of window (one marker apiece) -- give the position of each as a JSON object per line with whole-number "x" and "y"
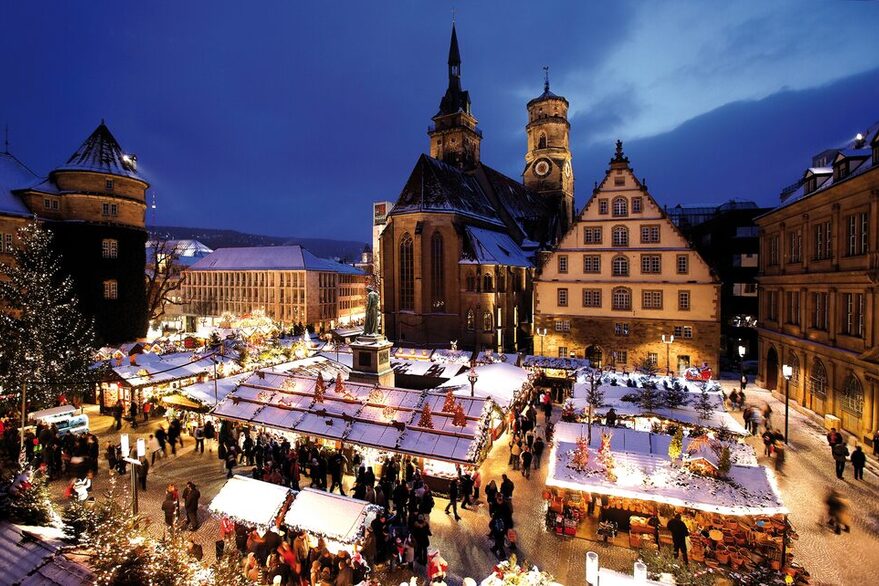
{"x": 650, "y": 234}
{"x": 651, "y": 264}
{"x": 851, "y": 396}
{"x": 852, "y": 311}
{"x": 857, "y": 240}
{"x": 620, "y": 205}
{"x": 621, "y": 298}
{"x": 487, "y": 321}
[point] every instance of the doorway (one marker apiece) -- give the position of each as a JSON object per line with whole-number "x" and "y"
{"x": 772, "y": 369}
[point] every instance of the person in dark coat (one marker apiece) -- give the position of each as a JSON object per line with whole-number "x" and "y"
{"x": 840, "y": 454}
{"x": 117, "y": 415}
{"x": 337, "y": 470}
{"x": 191, "y": 496}
{"x": 679, "y": 534}
{"x": 466, "y": 490}
{"x": 169, "y": 507}
{"x": 876, "y": 443}
{"x": 453, "y": 498}
{"x": 611, "y": 418}
{"x": 498, "y": 532}
{"x": 142, "y": 472}
{"x": 507, "y": 487}
{"x": 859, "y": 460}
{"x": 539, "y": 445}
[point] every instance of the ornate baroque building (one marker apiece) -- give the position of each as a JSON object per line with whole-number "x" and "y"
{"x": 623, "y": 277}
{"x": 819, "y": 287}
{"x": 457, "y": 249}
{"x": 95, "y": 205}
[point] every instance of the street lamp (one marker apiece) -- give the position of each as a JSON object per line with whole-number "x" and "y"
{"x": 216, "y": 394}
{"x": 542, "y": 333}
{"x": 668, "y": 340}
{"x": 787, "y": 371}
{"x": 135, "y": 463}
{"x": 472, "y": 377}
{"x": 742, "y": 351}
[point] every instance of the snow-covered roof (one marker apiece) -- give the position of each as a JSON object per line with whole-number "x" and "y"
{"x": 555, "y": 363}
{"x": 445, "y": 370}
{"x": 686, "y": 414}
{"x": 489, "y": 247}
{"x": 501, "y": 382}
{"x": 278, "y": 258}
{"x": 250, "y": 501}
{"x": 13, "y": 175}
{"x": 33, "y": 556}
{"x": 491, "y": 357}
{"x": 101, "y": 153}
{"x": 154, "y": 369}
{"x": 381, "y": 417}
{"x": 644, "y": 475}
{"x": 204, "y": 392}
{"x": 337, "y": 517}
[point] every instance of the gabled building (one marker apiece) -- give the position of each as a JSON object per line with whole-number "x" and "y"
{"x": 95, "y": 205}
{"x": 457, "y": 249}
{"x": 819, "y": 287}
{"x": 621, "y": 279}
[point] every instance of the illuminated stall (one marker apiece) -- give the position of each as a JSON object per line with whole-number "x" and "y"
{"x": 250, "y": 502}
{"x": 340, "y": 520}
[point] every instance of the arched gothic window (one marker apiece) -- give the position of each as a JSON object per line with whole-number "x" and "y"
{"x": 487, "y": 282}
{"x": 437, "y": 273}
{"x": 541, "y": 142}
{"x": 407, "y": 273}
{"x": 818, "y": 380}
{"x": 622, "y": 298}
{"x": 620, "y": 236}
{"x": 486, "y": 321}
{"x": 471, "y": 320}
{"x": 620, "y": 207}
{"x": 853, "y": 395}
{"x": 794, "y": 363}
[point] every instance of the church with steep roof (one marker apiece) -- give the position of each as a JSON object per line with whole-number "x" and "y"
{"x": 460, "y": 245}
{"x": 95, "y": 205}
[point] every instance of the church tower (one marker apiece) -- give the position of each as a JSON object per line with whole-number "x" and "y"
{"x": 548, "y": 159}
{"x": 454, "y": 137}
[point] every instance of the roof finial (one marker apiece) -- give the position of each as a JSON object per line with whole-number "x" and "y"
{"x": 453, "y": 16}
{"x": 545, "y": 78}
{"x": 619, "y": 148}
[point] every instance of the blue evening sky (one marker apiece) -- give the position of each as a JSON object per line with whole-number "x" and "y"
{"x": 291, "y": 117}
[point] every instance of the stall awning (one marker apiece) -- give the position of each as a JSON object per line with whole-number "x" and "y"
{"x": 250, "y": 501}
{"x": 332, "y": 516}
{"x": 182, "y": 402}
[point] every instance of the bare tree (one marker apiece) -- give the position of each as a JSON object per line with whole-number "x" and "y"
{"x": 164, "y": 277}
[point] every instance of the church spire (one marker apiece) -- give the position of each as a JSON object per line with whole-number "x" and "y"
{"x": 454, "y": 62}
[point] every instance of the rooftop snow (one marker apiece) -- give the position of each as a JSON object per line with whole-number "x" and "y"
{"x": 101, "y": 153}
{"x": 501, "y": 382}
{"x": 13, "y": 175}
{"x": 275, "y": 258}
{"x": 494, "y": 248}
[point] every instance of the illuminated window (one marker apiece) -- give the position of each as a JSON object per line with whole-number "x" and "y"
{"x": 407, "y": 274}
{"x": 622, "y": 299}
{"x": 109, "y": 248}
{"x": 818, "y": 380}
{"x": 620, "y": 207}
{"x": 853, "y": 395}
{"x": 111, "y": 289}
{"x": 438, "y": 285}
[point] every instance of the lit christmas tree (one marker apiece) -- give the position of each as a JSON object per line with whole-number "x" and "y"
{"x": 677, "y": 444}
{"x": 320, "y": 387}
{"x": 580, "y": 459}
{"x": 460, "y": 418}
{"x": 29, "y": 501}
{"x": 426, "y": 419}
{"x": 449, "y": 405}
{"x": 606, "y": 456}
{"x": 48, "y": 343}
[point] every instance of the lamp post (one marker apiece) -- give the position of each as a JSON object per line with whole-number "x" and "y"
{"x": 542, "y": 333}
{"x": 135, "y": 463}
{"x": 472, "y": 377}
{"x": 21, "y": 455}
{"x": 742, "y": 351}
{"x": 216, "y": 394}
{"x": 788, "y": 371}
{"x": 668, "y": 340}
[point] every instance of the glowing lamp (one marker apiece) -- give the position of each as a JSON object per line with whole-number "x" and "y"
{"x": 742, "y": 351}
{"x": 141, "y": 448}
{"x": 592, "y": 568}
{"x": 126, "y": 446}
{"x": 787, "y": 371}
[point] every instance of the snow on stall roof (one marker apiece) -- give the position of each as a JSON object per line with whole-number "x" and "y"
{"x": 642, "y": 474}
{"x": 553, "y": 362}
{"x": 444, "y": 370}
{"x": 491, "y": 357}
{"x": 287, "y": 402}
{"x": 251, "y": 501}
{"x": 501, "y": 382}
{"x": 338, "y": 517}
{"x": 32, "y": 556}
{"x": 204, "y": 392}
{"x": 278, "y": 258}
{"x": 13, "y": 175}
{"x": 494, "y": 248}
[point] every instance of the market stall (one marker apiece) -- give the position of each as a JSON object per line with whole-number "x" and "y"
{"x": 340, "y": 520}
{"x": 631, "y": 482}
{"x": 440, "y": 434}
{"x": 251, "y": 502}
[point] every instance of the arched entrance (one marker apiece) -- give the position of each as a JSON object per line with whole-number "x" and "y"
{"x": 772, "y": 369}
{"x": 594, "y": 356}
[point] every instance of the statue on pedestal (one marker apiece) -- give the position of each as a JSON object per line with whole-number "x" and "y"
{"x": 371, "y": 323}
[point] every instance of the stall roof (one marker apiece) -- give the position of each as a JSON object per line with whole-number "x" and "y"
{"x": 155, "y": 369}
{"x": 250, "y": 501}
{"x": 501, "y": 382}
{"x": 644, "y": 475}
{"x": 554, "y": 363}
{"x": 380, "y": 417}
{"x": 203, "y": 393}
{"x": 34, "y": 555}
{"x": 489, "y": 357}
{"x": 337, "y": 517}
{"x": 687, "y": 414}
{"x": 427, "y": 368}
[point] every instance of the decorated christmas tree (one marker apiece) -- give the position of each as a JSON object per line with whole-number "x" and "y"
{"x": 580, "y": 458}
{"x": 606, "y": 456}
{"x": 460, "y": 418}
{"x": 49, "y": 342}
{"x": 675, "y": 396}
{"x": 649, "y": 398}
{"x": 725, "y": 462}
{"x": 705, "y": 405}
{"x": 568, "y": 412}
{"x": 320, "y": 387}
{"x": 677, "y": 444}
{"x": 426, "y": 419}
{"x": 29, "y": 500}
{"x": 226, "y": 571}
{"x": 376, "y": 396}
{"x": 449, "y": 405}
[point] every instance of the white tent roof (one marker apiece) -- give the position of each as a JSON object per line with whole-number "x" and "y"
{"x": 250, "y": 501}
{"x": 499, "y": 381}
{"x": 335, "y": 516}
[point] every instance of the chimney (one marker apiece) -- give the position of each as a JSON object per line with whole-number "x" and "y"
{"x": 132, "y": 360}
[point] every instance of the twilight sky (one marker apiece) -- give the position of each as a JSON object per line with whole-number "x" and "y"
{"x": 290, "y": 118}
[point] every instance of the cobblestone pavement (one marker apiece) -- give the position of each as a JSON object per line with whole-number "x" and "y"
{"x": 464, "y": 544}
{"x": 850, "y": 558}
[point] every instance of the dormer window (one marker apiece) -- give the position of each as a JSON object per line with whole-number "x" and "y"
{"x": 840, "y": 170}
{"x": 620, "y": 207}
{"x": 810, "y": 185}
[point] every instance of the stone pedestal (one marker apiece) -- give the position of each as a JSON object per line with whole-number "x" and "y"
{"x": 372, "y": 361}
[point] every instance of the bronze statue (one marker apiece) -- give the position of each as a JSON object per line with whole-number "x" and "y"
{"x": 371, "y": 324}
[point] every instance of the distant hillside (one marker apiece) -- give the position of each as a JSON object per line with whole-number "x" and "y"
{"x": 347, "y": 250}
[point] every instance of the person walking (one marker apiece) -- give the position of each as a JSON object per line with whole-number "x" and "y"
{"x": 539, "y": 445}
{"x": 840, "y": 453}
{"x": 142, "y": 472}
{"x": 768, "y": 440}
{"x": 209, "y": 435}
{"x": 117, "y": 414}
{"x": 744, "y": 382}
{"x": 477, "y": 483}
{"x": 169, "y": 508}
{"x": 527, "y": 456}
{"x": 453, "y": 498}
{"x": 231, "y": 460}
{"x": 133, "y": 412}
{"x": 515, "y": 452}
{"x": 679, "y": 534}
{"x": 490, "y": 492}
{"x": 466, "y": 486}
{"x": 778, "y": 448}
{"x": 191, "y": 496}
{"x": 497, "y": 530}
{"x": 837, "y": 512}
{"x": 833, "y": 437}
{"x": 337, "y": 471}
{"x": 154, "y": 448}
{"x": 199, "y": 439}
{"x": 507, "y": 488}
{"x": 859, "y": 460}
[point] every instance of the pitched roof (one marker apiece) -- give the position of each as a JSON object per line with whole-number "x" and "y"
{"x": 101, "y": 153}
{"x": 277, "y": 258}
{"x": 13, "y": 175}
{"x": 493, "y": 248}
{"x": 454, "y": 52}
